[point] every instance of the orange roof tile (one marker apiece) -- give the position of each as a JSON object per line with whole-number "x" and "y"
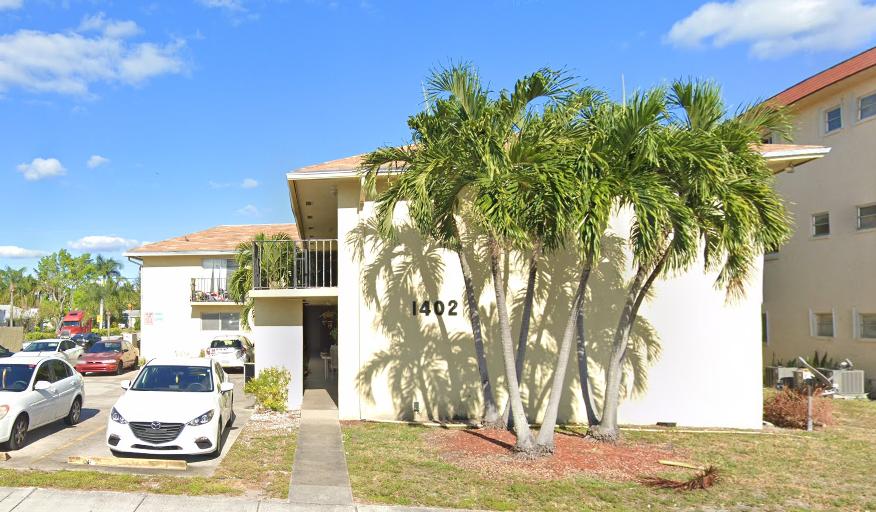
{"x": 830, "y": 76}
{"x": 219, "y": 239}
{"x": 350, "y": 163}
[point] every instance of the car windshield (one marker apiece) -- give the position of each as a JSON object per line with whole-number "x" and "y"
{"x": 42, "y": 346}
{"x": 105, "y": 346}
{"x": 15, "y": 377}
{"x": 192, "y": 379}
{"x": 226, "y": 344}
{"x": 71, "y": 323}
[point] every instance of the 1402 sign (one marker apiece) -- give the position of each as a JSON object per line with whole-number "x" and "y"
{"x": 438, "y": 307}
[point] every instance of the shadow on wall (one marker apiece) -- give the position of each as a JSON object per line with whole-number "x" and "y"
{"x": 424, "y": 361}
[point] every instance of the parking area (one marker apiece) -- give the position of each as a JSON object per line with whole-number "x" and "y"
{"x": 49, "y": 447}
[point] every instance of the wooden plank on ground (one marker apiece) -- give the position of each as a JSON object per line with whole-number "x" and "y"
{"x": 125, "y": 462}
{"x": 4, "y": 456}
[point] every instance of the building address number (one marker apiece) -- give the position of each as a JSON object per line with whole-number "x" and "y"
{"x": 438, "y": 307}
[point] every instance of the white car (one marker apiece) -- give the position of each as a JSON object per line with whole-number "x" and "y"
{"x": 36, "y": 391}
{"x": 174, "y": 407}
{"x": 231, "y": 351}
{"x": 65, "y": 348}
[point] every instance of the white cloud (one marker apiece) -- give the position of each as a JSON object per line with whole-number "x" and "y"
{"x": 10, "y": 4}
{"x": 102, "y": 243}
{"x": 40, "y": 168}
{"x": 13, "y": 251}
{"x": 249, "y": 183}
{"x": 68, "y": 62}
{"x": 249, "y": 210}
{"x": 228, "y": 5}
{"x": 775, "y": 28}
{"x": 96, "y": 161}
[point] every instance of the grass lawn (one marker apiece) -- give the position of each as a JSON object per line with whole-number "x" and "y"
{"x": 258, "y": 465}
{"x": 831, "y": 469}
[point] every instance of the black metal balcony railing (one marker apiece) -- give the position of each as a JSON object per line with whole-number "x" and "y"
{"x": 294, "y": 264}
{"x": 210, "y": 289}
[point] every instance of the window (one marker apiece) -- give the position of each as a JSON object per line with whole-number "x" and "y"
{"x": 866, "y": 325}
{"x": 822, "y": 325}
{"x": 867, "y": 217}
{"x": 867, "y": 106}
{"x": 43, "y": 373}
{"x": 61, "y": 370}
{"x": 821, "y": 224}
{"x": 833, "y": 119}
{"x": 220, "y": 321}
{"x": 765, "y": 328}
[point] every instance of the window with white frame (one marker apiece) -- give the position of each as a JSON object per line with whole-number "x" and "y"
{"x": 865, "y": 326}
{"x": 867, "y": 217}
{"x": 821, "y": 224}
{"x": 821, "y": 324}
{"x": 833, "y": 119}
{"x": 867, "y": 106}
{"x": 220, "y": 321}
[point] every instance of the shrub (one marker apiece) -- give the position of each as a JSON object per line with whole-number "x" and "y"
{"x": 112, "y": 331}
{"x": 787, "y": 408}
{"x": 270, "y": 388}
{"x": 37, "y": 335}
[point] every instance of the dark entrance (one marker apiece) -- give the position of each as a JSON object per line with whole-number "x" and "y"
{"x": 321, "y": 348}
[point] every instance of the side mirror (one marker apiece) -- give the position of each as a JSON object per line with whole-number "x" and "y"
{"x": 125, "y": 384}
{"x": 42, "y": 385}
{"x": 225, "y": 387}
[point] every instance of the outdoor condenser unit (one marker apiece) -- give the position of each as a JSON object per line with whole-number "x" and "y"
{"x": 849, "y": 383}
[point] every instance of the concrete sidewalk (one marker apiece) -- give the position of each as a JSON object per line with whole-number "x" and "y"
{"x": 30, "y": 499}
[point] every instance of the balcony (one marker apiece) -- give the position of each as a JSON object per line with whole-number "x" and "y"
{"x": 299, "y": 264}
{"x": 210, "y": 289}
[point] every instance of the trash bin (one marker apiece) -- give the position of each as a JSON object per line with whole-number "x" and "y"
{"x": 248, "y": 371}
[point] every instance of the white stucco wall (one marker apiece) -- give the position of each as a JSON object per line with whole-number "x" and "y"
{"x": 175, "y": 328}
{"x": 278, "y": 336}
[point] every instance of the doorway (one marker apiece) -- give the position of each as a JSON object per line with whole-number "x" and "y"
{"x": 321, "y": 348}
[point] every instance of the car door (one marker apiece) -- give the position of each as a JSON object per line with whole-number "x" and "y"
{"x": 128, "y": 355}
{"x": 71, "y": 351}
{"x": 41, "y": 412}
{"x": 225, "y": 399}
{"x": 65, "y": 384}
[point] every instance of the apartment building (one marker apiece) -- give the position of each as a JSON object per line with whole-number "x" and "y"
{"x": 819, "y": 287}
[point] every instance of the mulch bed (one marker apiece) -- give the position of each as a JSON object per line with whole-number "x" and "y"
{"x": 490, "y": 452}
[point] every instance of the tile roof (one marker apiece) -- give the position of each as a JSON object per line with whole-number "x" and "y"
{"x": 350, "y": 163}
{"x": 219, "y": 238}
{"x": 830, "y": 76}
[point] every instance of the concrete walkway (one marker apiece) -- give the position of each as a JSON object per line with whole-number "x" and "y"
{"x": 29, "y": 499}
{"x": 319, "y": 474}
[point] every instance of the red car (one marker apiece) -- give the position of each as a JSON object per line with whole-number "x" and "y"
{"x": 109, "y": 356}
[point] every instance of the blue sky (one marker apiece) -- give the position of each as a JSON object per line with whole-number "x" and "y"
{"x": 125, "y": 122}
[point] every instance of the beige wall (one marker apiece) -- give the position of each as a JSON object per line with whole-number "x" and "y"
{"x": 12, "y": 338}
{"x": 175, "y": 328}
{"x": 695, "y": 359}
{"x": 835, "y": 273}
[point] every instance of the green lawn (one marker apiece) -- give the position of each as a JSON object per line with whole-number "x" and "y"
{"x": 833, "y": 469}
{"x": 259, "y": 465}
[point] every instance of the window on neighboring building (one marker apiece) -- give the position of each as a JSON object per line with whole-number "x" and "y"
{"x": 822, "y": 324}
{"x": 867, "y": 325}
{"x": 821, "y": 224}
{"x": 867, "y": 106}
{"x": 867, "y": 217}
{"x": 764, "y": 328}
{"x": 220, "y": 321}
{"x": 833, "y": 119}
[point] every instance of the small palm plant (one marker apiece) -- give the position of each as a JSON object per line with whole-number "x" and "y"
{"x": 274, "y": 269}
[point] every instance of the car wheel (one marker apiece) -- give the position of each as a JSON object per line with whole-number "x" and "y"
{"x": 218, "y": 451}
{"x": 18, "y": 435}
{"x": 232, "y": 416}
{"x": 75, "y": 412}
{"x": 120, "y": 367}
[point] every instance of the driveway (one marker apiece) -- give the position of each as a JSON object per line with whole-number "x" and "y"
{"x": 49, "y": 447}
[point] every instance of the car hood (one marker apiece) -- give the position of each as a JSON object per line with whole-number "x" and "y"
{"x": 165, "y": 406}
{"x": 44, "y": 353}
{"x": 100, "y": 355}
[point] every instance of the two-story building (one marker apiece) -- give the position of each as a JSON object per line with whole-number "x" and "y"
{"x": 819, "y": 287}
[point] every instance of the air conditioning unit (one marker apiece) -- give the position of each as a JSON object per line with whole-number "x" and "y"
{"x": 775, "y": 375}
{"x": 849, "y": 383}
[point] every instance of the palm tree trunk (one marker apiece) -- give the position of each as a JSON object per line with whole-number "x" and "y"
{"x": 546, "y": 433}
{"x": 525, "y": 442}
{"x": 584, "y": 372}
{"x": 491, "y": 410}
{"x": 522, "y": 340}
{"x": 607, "y": 430}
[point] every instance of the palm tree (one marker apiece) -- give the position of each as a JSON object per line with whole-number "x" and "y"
{"x": 107, "y": 272}
{"x": 729, "y": 208}
{"x": 274, "y": 260}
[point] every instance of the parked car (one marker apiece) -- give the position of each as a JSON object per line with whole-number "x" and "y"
{"x": 109, "y": 356}
{"x": 174, "y": 406}
{"x": 4, "y": 352}
{"x": 35, "y": 391}
{"x": 231, "y": 351}
{"x": 60, "y": 348}
{"x": 85, "y": 340}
